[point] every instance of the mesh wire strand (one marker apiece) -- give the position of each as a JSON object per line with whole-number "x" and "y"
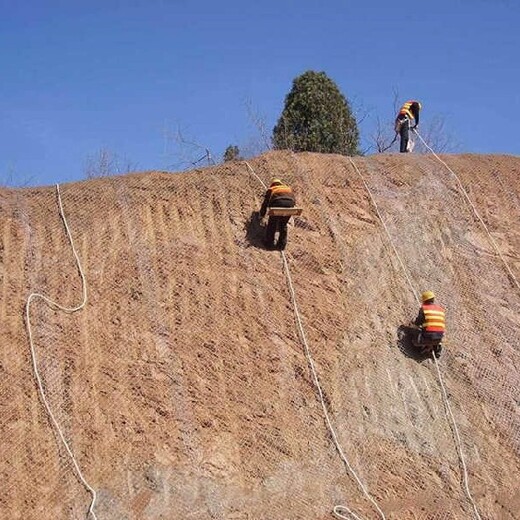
{"x": 183, "y": 387}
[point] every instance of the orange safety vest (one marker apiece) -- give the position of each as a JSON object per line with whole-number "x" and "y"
{"x": 280, "y": 190}
{"x": 405, "y": 110}
{"x": 434, "y": 318}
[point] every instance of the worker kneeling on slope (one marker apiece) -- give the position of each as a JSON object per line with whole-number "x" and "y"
{"x": 431, "y": 323}
{"x": 279, "y": 195}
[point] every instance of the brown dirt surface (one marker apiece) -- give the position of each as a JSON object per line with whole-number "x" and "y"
{"x": 183, "y": 387}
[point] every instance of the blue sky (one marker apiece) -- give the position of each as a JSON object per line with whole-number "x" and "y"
{"x": 126, "y": 76}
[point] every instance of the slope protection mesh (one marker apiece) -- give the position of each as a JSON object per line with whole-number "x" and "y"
{"x": 183, "y": 388}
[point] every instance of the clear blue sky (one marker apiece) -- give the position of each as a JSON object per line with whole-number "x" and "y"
{"x": 79, "y": 76}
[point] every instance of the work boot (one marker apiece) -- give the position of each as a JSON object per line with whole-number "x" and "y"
{"x": 437, "y": 350}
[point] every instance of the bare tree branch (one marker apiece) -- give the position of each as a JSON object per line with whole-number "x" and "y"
{"x": 13, "y": 180}
{"x": 359, "y": 110}
{"x": 438, "y": 138}
{"x": 187, "y": 151}
{"x": 105, "y": 162}
{"x": 261, "y": 142}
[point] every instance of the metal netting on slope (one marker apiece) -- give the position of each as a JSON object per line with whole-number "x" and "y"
{"x": 183, "y": 387}
{"x": 461, "y": 262}
{"x": 386, "y": 412}
{"x": 160, "y": 397}
{"x": 443, "y": 248}
{"x": 23, "y": 453}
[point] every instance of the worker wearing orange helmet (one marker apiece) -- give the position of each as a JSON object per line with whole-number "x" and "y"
{"x": 431, "y": 322}
{"x": 409, "y": 112}
{"x": 279, "y": 194}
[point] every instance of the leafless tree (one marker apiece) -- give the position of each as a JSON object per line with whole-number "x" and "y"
{"x": 10, "y": 178}
{"x": 186, "y": 151}
{"x": 105, "y": 162}
{"x": 361, "y": 114}
{"x": 437, "y": 137}
{"x": 260, "y": 141}
{"x": 382, "y": 140}
{"x": 360, "y": 111}
{"x": 383, "y": 137}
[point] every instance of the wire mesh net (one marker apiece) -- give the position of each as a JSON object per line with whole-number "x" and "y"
{"x": 182, "y": 387}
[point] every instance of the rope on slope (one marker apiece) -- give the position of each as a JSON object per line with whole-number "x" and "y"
{"x": 254, "y": 173}
{"x": 338, "y": 510}
{"x": 376, "y": 207}
{"x": 466, "y": 196}
{"x": 449, "y": 413}
{"x": 55, "y": 305}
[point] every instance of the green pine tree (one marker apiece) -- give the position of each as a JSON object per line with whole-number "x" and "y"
{"x": 316, "y": 118}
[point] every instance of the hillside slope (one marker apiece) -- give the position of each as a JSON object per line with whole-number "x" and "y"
{"x": 183, "y": 386}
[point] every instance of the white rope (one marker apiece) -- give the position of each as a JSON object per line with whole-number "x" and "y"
{"x": 449, "y": 413}
{"x": 445, "y": 394}
{"x": 458, "y": 441}
{"x": 466, "y": 196}
{"x": 339, "y": 510}
{"x": 386, "y": 229}
{"x": 254, "y": 173}
{"x": 41, "y": 390}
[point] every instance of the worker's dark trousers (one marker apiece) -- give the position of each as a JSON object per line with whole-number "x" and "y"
{"x": 429, "y": 338}
{"x": 404, "y": 132}
{"x": 273, "y": 225}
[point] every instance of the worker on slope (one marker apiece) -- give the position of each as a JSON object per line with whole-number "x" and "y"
{"x": 278, "y": 195}
{"x": 403, "y": 122}
{"x": 431, "y": 323}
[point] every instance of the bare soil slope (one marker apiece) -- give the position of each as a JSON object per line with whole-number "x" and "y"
{"x": 183, "y": 386}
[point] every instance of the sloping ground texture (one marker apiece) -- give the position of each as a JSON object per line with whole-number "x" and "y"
{"x": 183, "y": 386}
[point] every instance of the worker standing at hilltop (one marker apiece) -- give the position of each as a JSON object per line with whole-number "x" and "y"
{"x": 278, "y": 195}
{"x": 431, "y": 323}
{"x": 403, "y": 122}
